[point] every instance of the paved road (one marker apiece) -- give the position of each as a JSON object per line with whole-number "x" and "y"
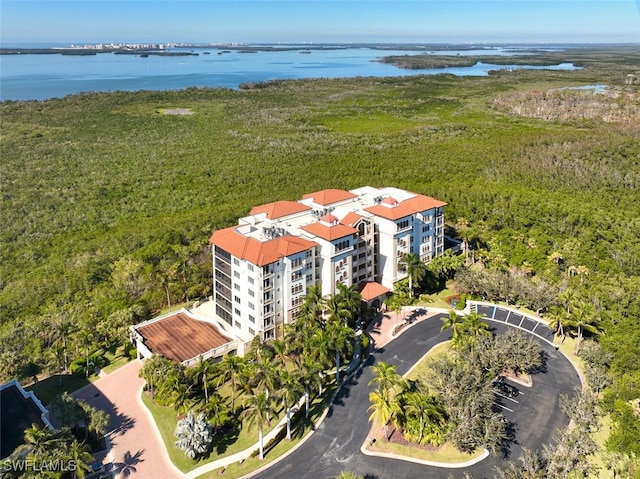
{"x": 336, "y": 445}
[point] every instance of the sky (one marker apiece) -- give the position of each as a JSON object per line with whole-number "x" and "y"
{"x": 313, "y": 21}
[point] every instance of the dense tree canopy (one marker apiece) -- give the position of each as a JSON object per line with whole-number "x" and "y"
{"x": 108, "y": 204}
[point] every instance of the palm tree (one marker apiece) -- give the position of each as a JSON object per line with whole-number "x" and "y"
{"x": 425, "y": 409}
{"x": 558, "y": 319}
{"x": 309, "y": 377}
{"x": 232, "y": 367}
{"x": 257, "y": 409}
{"x": 336, "y": 310}
{"x": 312, "y": 307}
{"x": 383, "y": 409}
{"x": 281, "y": 350}
{"x": 351, "y": 300}
{"x": 341, "y": 338}
{"x": 265, "y": 377}
{"x": 386, "y": 378}
{"x": 456, "y": 323}
{"x": 194, "y": 435}
{"x": 474, "y": 326}
{"x": 415, "y": 268}
{"x": 204, "y": 372}
{"x": 584, "y": 318}
{"x": 81, "y": 457}
{"x": 290, "y": 389}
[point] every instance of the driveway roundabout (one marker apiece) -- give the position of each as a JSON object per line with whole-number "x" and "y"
{"x": 335, "y": 445}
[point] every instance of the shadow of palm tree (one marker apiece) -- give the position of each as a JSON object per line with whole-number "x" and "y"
{"x": 128, "y": 464}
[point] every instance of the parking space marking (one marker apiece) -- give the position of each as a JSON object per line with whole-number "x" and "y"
{"x": 503, "y": 407}
{"x": 506, "y": 397}
{"x": 520, "y": 325}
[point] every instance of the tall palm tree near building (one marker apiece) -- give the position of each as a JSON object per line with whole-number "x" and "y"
{"x": 351, "y": 301}
{"x": 266, "y": 376}
{"x": 309, "y": 377}
{"x": 194, "y": 435}
{"x": 415, "y": 269}
{"x": 341, "y": 338}
{"x": 204, "y": 373}
{"x": 281, "y": 350}
{"x": 257, "y": 409}
{"x": 456, "y": 323}
{"x": 232, "y": 367}
{"x": 289, "y": 392}
{"x": 335, "y": 310}
{"x": 312, "y": 308}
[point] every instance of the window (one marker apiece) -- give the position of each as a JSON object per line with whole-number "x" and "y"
{"x": 309, "y": 278}
{"x": 237, "y": 324}
{"x": 296, "y": 288}
{"x": 308, "y": 253}
{"x": 402, "y": 224}
{"x": 340, "y": 245}
{"x": 252, "y": 332}
{"x": 426, "y": 228}
{"x": 251, "y": 280}
{"x": 236, "y": 261}
{"x": 251, "y": 306}
{"x": 236, "y": 287}
{"x": 251, "y": 293}
{"x": 236, "y": 311}
{"x": 250, "y": 266}
{"x": 236, "y": 274}
{"x": 252, "y": 319}
{"x": 297, "y": 275}
{"x": 236, "y": 299}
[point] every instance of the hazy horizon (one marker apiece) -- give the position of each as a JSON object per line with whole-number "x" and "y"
{"x": 327, "y": 21}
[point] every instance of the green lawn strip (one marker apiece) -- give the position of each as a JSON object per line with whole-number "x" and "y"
{"x": 445, "y": 454}
{"x": 48, "y": 388}
{"x": 166, "y": 420}
{"x": 301, "y": 429}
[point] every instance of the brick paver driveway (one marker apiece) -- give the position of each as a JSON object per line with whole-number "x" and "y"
{"x": 136, "y": 451}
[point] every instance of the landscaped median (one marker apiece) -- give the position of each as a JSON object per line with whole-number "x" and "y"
{"x": 377, "y": 443}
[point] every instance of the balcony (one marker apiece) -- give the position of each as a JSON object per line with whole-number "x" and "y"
{"x": 267, "y": 286}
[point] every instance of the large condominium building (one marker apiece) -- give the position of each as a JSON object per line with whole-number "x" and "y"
{"x": 263, "y": 267}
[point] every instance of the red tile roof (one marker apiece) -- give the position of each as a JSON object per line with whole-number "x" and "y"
{"x": 350, "y": 219}
{"x": 372, "y": 290}
{"x": 329, "y": 218}
{"x": 258, "y": 252}
{"x": 180, "y": 337}
{"x": 327, "y": 197}
{"x": 329, "y": 233}
{"x": 416, "y": 204}
{"x": 278, "y": 209}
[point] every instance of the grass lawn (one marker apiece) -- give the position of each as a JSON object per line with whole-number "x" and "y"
{"x": 47, "y": 389}
{"x": 235, "y": 440}
{"x": 300, "y": 430}
{"x": 446, "y": 454}
{"x": 420, "y": 370}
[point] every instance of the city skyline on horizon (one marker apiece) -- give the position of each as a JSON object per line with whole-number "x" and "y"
{"x": 328, "y": 21}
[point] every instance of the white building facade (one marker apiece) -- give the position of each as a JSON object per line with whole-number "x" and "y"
{"x": 263, "y": 267}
